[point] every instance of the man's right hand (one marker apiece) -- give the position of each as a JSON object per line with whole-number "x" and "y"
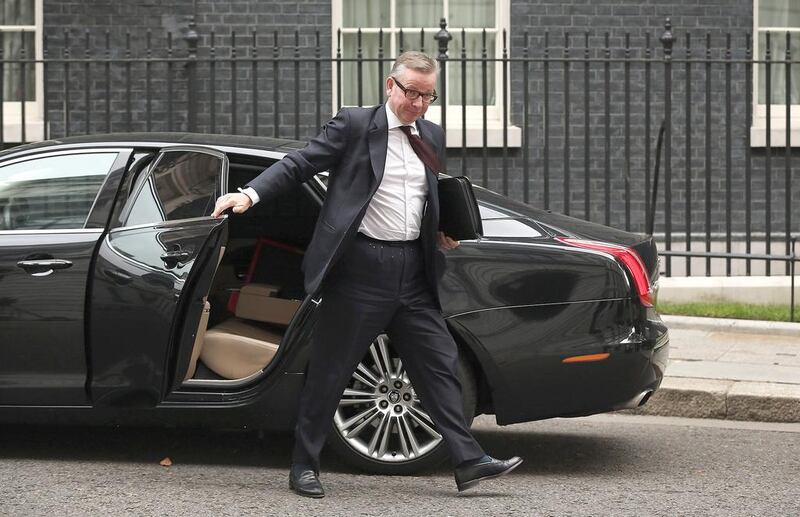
{"x": 238, "y": 201}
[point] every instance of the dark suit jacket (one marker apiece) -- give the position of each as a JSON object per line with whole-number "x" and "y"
{"x": 352, "y": 146}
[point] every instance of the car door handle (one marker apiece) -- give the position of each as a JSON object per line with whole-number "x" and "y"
{"x": 43, "y": 267}
{"x": 173, "y": 258}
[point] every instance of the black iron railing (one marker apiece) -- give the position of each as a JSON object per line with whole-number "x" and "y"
{"x": 586, "y": 109}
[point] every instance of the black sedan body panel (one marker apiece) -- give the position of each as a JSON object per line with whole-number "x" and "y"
{"x": 524, "y": 305}
{"x": 522, "y": 352}
{"x": 495, "y": 274}
{"x": 42, "y": 319}
{"x": 42, "y": 312}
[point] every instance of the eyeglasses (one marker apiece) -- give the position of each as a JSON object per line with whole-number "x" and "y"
{"x": 413, "y": 95}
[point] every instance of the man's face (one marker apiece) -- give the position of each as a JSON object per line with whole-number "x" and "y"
{"x": 409, "y": 111}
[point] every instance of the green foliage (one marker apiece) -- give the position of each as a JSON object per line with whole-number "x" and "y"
{"x": 730, "y": 310}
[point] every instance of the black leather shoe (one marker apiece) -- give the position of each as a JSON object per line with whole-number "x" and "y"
{"x": 470, "y": 475}
{"x": 304, "y": 481}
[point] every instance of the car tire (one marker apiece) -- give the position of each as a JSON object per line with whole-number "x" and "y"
{"x": 355, "y": 450}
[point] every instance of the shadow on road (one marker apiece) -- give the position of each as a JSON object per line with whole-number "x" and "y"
{"x": 555, "y": 452}
{"x": 545, "y": 451}
{"x": 145, "y": 445}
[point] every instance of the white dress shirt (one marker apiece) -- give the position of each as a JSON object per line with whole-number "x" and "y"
{"x": 395, "y": 211}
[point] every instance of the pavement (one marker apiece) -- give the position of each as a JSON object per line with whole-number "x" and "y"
{"x": 730, "y": 369}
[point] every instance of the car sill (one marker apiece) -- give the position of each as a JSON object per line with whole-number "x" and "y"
{"x": 217, "y": 383}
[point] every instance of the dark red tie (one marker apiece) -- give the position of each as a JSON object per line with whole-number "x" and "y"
{"x": 423, "y": 150}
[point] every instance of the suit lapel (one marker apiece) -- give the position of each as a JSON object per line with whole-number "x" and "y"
{"x": 378, "y": 140}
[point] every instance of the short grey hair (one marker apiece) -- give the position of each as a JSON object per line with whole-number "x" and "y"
{"x": 414, "y": 60}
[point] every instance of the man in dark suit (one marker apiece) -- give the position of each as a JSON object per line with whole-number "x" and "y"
{"x": 375, "y": 260}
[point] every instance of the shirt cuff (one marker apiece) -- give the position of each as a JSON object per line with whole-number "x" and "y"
{"x": 251, "y": 193}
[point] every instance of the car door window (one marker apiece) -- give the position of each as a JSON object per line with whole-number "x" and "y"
{"x": 182, "y": 185}
{"x": 51, "y": 192}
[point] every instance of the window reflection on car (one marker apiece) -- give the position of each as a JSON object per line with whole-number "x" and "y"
{"x": 492, "y": 213}
{"x": 516, "y": 228}
{"x": 51, "y": 192}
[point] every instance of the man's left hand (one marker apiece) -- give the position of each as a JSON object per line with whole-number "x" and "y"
{"x": 445, "y": 242}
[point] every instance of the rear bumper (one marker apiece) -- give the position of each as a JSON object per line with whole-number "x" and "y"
{"x": 634, "y": 372}
{"x": 544, "y": 386}
{"x": 653, "y": 372}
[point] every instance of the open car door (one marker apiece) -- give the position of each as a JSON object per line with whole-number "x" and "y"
{"x": 150, "y": 275}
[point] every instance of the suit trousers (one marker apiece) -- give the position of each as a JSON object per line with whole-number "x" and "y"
{"x": 375, "y": 287}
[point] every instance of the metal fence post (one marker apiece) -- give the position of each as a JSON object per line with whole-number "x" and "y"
{"x": 191, "y": 39}
{"x": 65, "y": 108}
{"x": 667, "y": 39}
{"x": 23, "y": 57}
{"x": 443, "y": 37}
{"x": 128, "y": 87}
{"x": 793, "y": 259}
{"x": 3, "y": 89}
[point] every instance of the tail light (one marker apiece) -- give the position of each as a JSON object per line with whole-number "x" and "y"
{"x": 628, "y": 257}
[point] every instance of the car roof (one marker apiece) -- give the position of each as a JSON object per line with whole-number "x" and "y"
{"x": 228, "y": 143}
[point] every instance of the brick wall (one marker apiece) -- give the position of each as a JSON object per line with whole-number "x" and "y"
{"x": 230, "y": 22}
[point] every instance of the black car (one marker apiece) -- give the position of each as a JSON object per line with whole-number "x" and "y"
{"x": 123, "y": 302}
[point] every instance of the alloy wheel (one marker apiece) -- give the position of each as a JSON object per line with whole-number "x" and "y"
{"x": 379, "y": 415}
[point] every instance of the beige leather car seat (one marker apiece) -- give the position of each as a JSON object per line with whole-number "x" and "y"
{"x": 201, "y": 328}
{"x": 242, "y": 346}
{"x": 198, "y": 341}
